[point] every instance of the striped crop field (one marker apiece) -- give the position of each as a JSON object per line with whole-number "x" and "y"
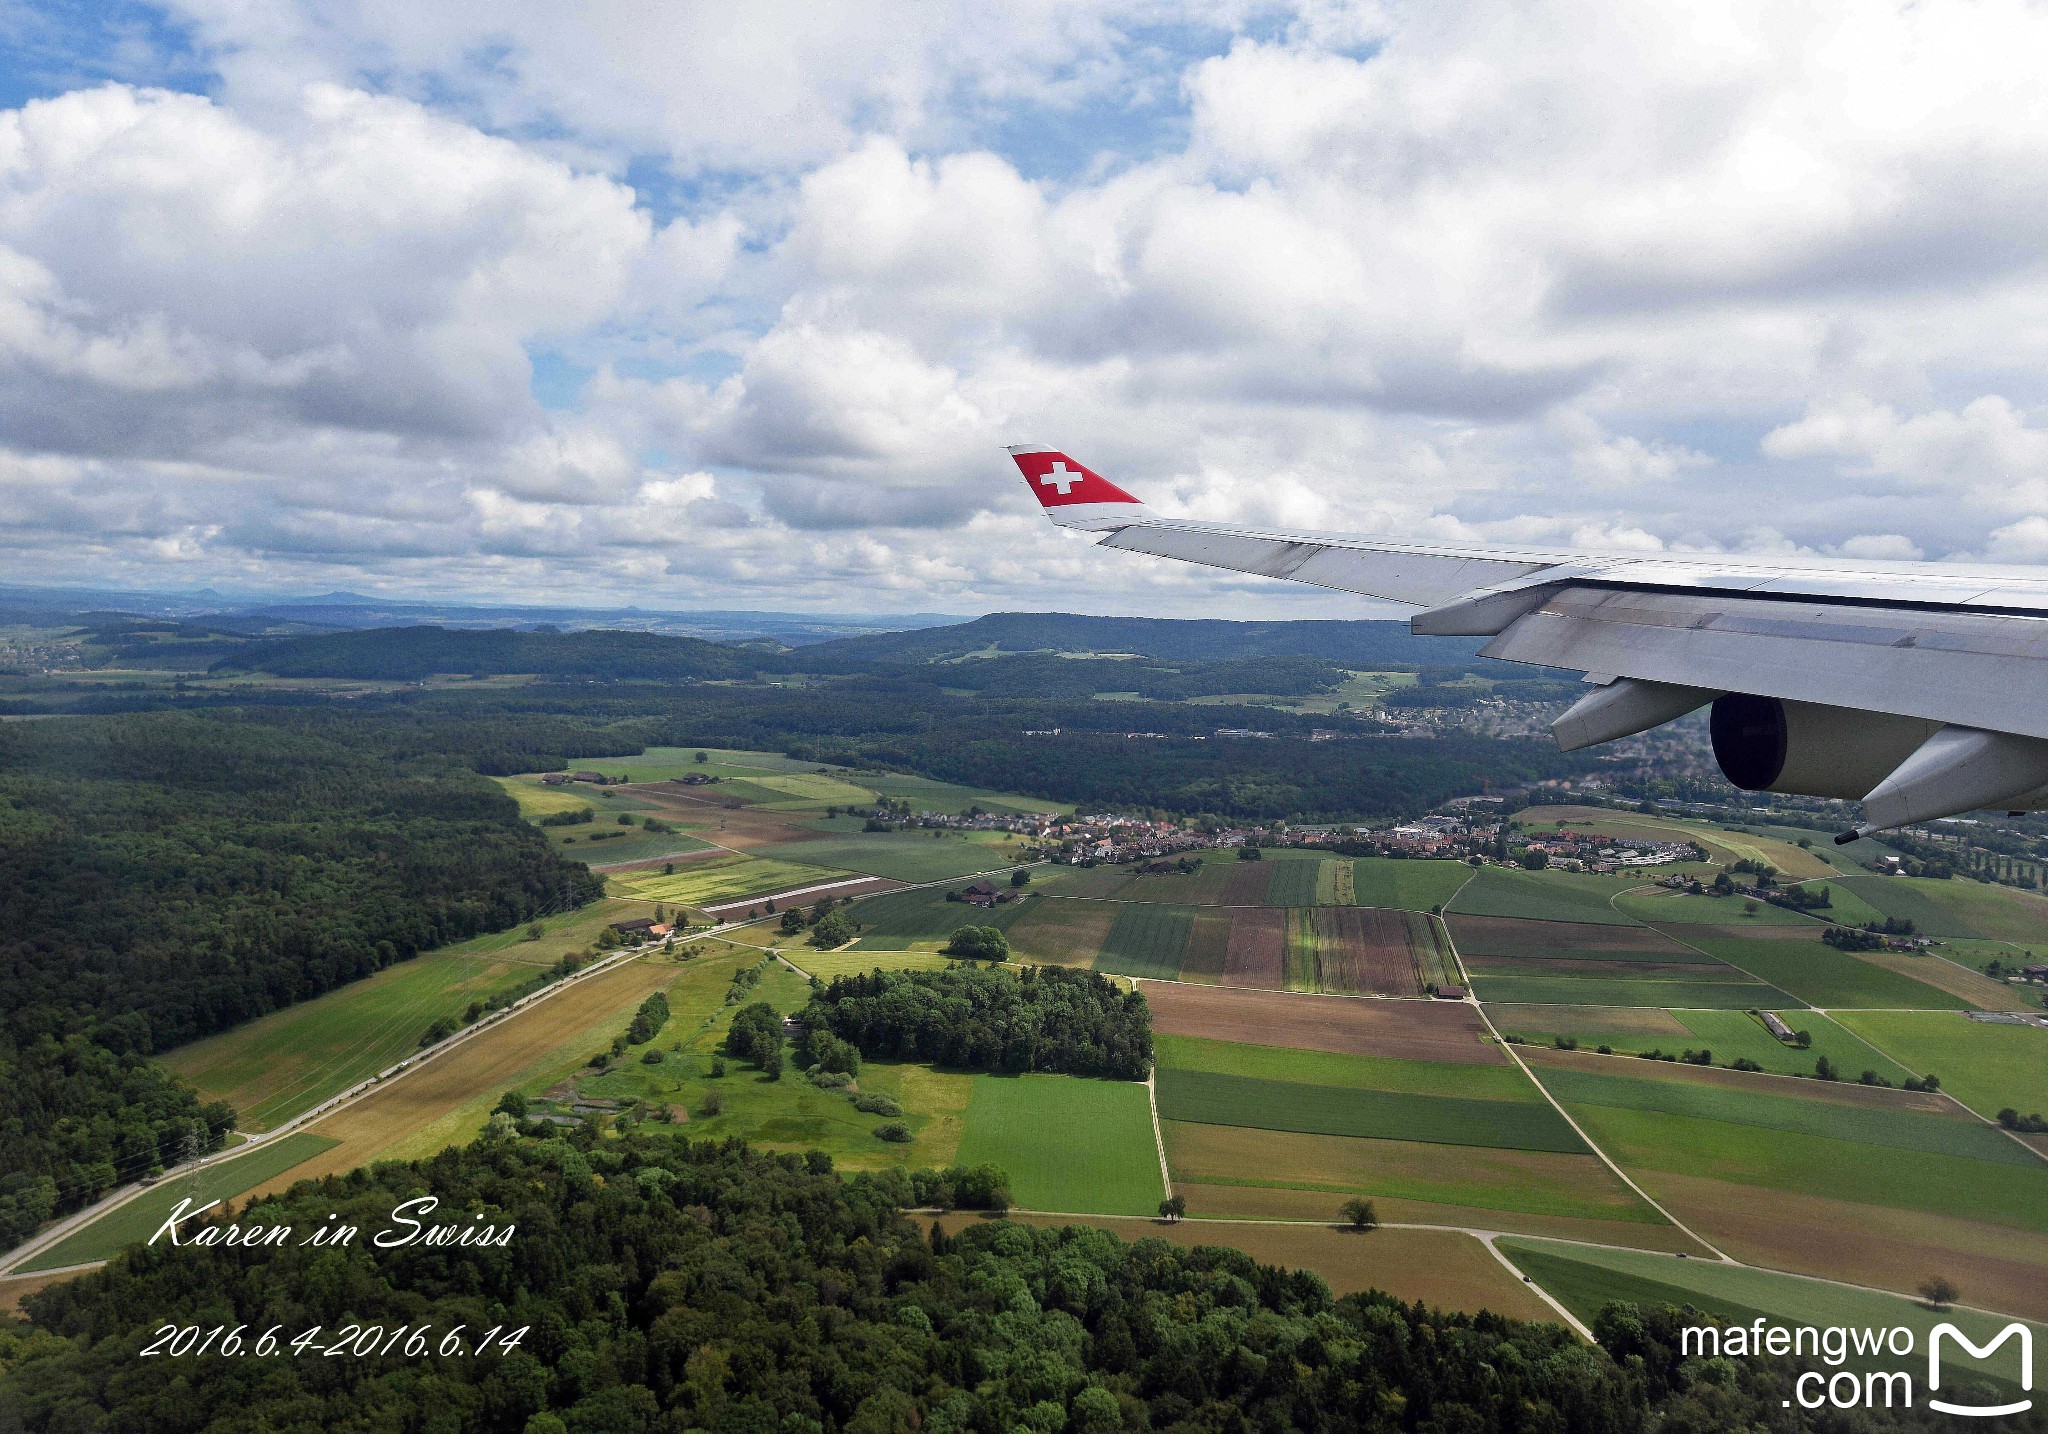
{"x": 1147, "y": 939}
{"x": 1209, "y": 1098}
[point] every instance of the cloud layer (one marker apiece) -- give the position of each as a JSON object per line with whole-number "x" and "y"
{"x": 688, "y": 305}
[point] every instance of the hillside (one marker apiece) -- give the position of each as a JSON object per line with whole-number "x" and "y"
{"x": 1361, "y": 644}
{"x": 408, "y": 654}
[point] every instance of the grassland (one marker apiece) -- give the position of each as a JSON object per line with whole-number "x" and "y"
{"x": 537, "y": 801}
{"x": 1208, "y": 1098}
{"x": 720, "y": 879}
{"x": 139, "y": 1218}
{"x": 1542, "y": 896}
{"x": 1414, "y": 885}
{"x": 1918, "y": 900}
{"x": 1067, "y": 1143}
{"x": 827, "y": 964}
{"x": 1540, "y": 941}
{"x": 1984, "y": 1065}
{"x": 272, "y": 1068}
{"x": 1583, "y": 1279}
{"x": 1342, "y": 1069}
{"x": 1737, "y": 1035}
{"x": 1820, "y": 975}
{"x": 1147, "y": 939}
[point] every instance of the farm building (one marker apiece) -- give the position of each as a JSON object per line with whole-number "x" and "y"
{"x": 639, "y": 925}
{"x": 555, "y": 779}
{"x": 1448, "y": 993}
{"x": 1775, "y": 1026}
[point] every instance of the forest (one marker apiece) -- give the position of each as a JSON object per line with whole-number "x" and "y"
{"x": 657, "y": 1284}
{"x": 166, "y": 876}
{"x": 1033, "y": 1018}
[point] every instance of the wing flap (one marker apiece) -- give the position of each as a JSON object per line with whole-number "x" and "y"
{"x": 1970, "y": 669}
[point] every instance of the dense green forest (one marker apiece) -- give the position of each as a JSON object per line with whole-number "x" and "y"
{"x": 407, "y": 654}
{"x": 166, "y": 876}
{"x": 1367, "y": 643}
{"x": 1031, "y": 1018}
{"x": 662, "y": 1285}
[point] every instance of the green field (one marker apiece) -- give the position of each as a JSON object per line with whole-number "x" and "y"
{"x": 599, "y": 846}
{"x": 1293, "y": 882}
{"x": 1147, "y": 939}
{"x": 1759, "y": 1156}
{"x": 140, "y": 1217}
{"x": 899, "y": 919}
{"x": 1068, "y": 1144}
{"x": 903, "y": 856}
{"x": 1416, "y": 885}
{"x": 1672, "y": 907}
{"x": 1583, "y": 1278}
{"x": 1736, "y": 1035}
{"x": 1608, "y": 991}
{"x": 1984, "y": 1065}
{"x": 1208, "y": 1098}
{"x": 1898, "y": 1129}
{"x": 272, "y": 1068}
{"x": 1543, "y": 896}
{"x": 1328, "y": 1068}
{"x": 1822, "y": 976}
{"x": 720, "y": 879}
{"x": 1914, "y": 899}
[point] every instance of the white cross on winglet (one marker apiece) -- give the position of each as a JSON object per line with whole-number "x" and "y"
{"x": 1061, "y": 477}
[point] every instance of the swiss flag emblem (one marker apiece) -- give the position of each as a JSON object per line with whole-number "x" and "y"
{"x": 1058, "y": 480}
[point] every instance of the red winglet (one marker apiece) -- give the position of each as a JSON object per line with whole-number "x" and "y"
{"x": 1059, "y": 481}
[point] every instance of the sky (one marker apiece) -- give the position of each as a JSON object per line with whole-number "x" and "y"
{"x": 704, "y": 305}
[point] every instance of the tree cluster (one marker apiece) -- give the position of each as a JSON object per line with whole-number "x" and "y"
{"x": 1040, "y": 1018}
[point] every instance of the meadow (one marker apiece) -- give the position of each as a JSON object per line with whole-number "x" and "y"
{"x": 1066, "y": 1143}
{"x": 1733, "y": 994}
{"x": 1343, "y": 1070}
{"x": 1918, "y": 900}
{"x": 139, "y": 1218}
{"x": 1669, "y": 908}
{"x": 1984, "y": 1065}
{"x": 897, "y": 920}
{"x": 1293, "y": 881}
{"x": 1146, "y": 939}
{"x": 1737, "y": 1035}
{"x": 272, "y": 1068}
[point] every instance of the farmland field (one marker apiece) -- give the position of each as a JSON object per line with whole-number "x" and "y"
{"x": 1147, "y": 939}
{"x": 1911, "y": 899}
{"x": 899, "y": 919}
{"x": 1584, "y": 1278}
{"x": 1246, "y": 883}
{"x": 1417, "y": 885}
{"x": 827, "y": 964}
{"x": 1067, "y": 1143}
{"x": 1542, "y": 896}
{"x": 1730, "y": 994}
{"x": 720, "y": 879}
{"x": 278, "y": 1065}
{"x": 1421, "y": 1030}
{"x": 139, "y": 1218}
{"x": 1067, "y": 933}
{"x": 1257, "y": 953}
{"x": 1343, "y": 1069}
{"x": 1734, "y": 1035}
{"x": 1293, "y": 882}
{"x": 1564, "y": 941}
{"x": 904, "y": 856}
{"x": 1207, "y": 1098}
{"x": 1673, "y": 907}
{"x": 1588, "y": 1023}
{"x": 1820, "y": 975}
{"x": 1375, "y": 951}
{"x": 1720, "y": 843}
{"x": 1984, "y": 1065}
{"x": 1208, "y": 947}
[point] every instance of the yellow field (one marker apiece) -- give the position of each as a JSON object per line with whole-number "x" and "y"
{"x": 810, "y": 787}
{"x": 538, "y": 801}
{"x": 716, "y": 879}
{"x": 827, "y": 964}
{"x": 1724, "y": 846}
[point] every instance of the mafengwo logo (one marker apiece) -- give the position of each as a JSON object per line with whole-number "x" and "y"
{"x": 2025, "y": 1338}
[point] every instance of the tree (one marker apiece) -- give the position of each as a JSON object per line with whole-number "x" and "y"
{"x": 1020, "y": 877}
{"x": 1359, "y": 1214}
{"x": 1172, "y": 1208}
{"x": 1825, "y": 1069}
{"x": 1249, "y": 852}
{"x": 979, "y": 943}
{"x": 702, "y": 758}
{"x": 512, "y": 1103}
{"x": 835, "y": 928}
{"x": 792, "y": 922}
{"x": 1533, "y": 860}
{"x": 1939, "y": 1291}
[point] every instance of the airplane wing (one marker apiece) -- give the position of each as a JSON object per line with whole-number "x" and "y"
{"x": 1920, "y": 689}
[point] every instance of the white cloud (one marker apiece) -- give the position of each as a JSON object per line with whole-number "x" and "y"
{"x": 1985, "y": 452}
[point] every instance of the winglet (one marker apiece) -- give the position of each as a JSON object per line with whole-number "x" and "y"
{"x": 1072, "y": 495}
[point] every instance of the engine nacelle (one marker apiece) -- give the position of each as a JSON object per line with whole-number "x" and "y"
{"x": 1765, "y": 744}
